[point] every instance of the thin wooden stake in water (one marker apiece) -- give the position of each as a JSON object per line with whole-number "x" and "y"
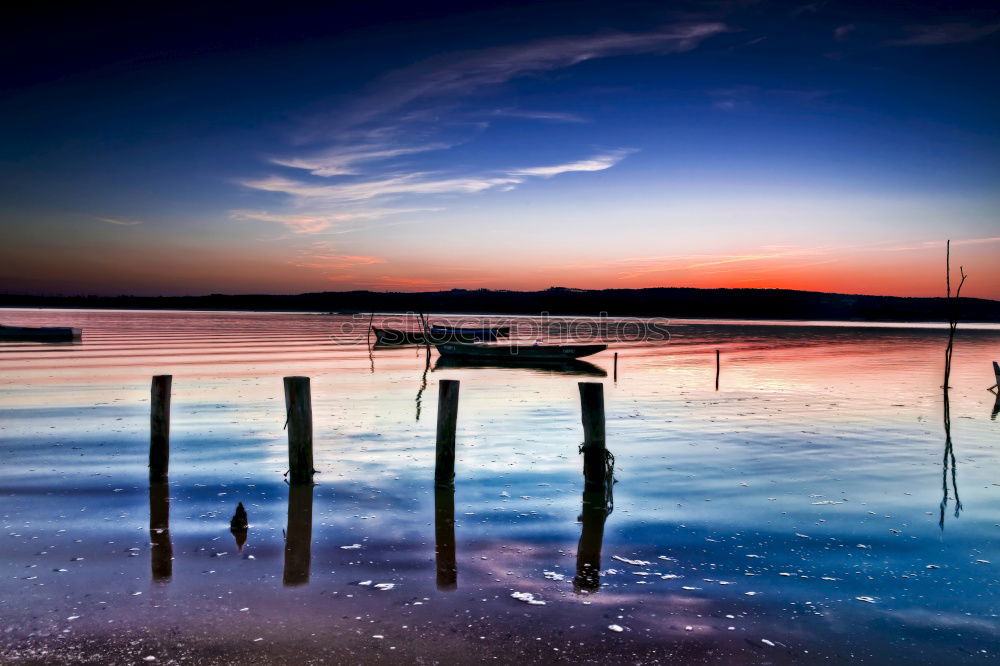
{"x": 996, "y": 371}
{"x": 444, "y": 467}
{"x": 718, "y": 364}
{"x": 616, "y": 366}
{"x": 594, "y": 447}
{"x": 159, "y": 428}
{"x": 298, "y": 405}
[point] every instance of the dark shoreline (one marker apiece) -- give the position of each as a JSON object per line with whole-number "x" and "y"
{"x": 669, "y": 302}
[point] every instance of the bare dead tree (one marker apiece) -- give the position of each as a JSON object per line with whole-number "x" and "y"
{"x": 952, "y": 312}
{"x": 948, "y": 462}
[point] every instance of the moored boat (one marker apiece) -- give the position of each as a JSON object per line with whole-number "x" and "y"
{"x": 469, "y": 333}
{"x": 535, "y": 352}
{"x": 40, "y": 334}
{"x": 393, "y": 336}
{"x": 437, "y": 334}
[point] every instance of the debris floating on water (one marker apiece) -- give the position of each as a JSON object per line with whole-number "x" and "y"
{"x": 528, "y": 598}
{"x": 635, "y": 563}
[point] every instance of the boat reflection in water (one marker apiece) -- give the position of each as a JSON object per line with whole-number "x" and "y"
{"x": 596, "y": 509}
{"x": 162, "y": 552}
{"x": 298, "y": 536}
{"x": 558, "y": 366}
{"x": 444, "y": 538}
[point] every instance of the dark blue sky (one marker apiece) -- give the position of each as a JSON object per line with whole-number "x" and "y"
{"x": 825, "y": 145}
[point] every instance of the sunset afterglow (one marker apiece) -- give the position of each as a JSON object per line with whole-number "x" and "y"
{"x": 717, "y": 145}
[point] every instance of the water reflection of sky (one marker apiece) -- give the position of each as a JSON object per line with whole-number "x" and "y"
{"x": 812, "y": 478}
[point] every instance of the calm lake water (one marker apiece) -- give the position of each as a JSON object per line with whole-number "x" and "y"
{"x": 802, "y": 513}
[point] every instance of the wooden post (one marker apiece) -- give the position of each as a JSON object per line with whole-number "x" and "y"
{"x": 616, "y": 366}
{"x": 996, "y": 371}
{"x": 159, "y": 428}
{"x": 594, "y": 447}
{"x": 298, "y": 404}
{"x": 718, "y": 367}
{"x": 444, "y": 466}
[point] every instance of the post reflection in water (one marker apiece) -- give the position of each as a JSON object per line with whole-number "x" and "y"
{"x": 596, "y": 509}
{"x": 948, "y": 464}
{"x": 239, "y": 526}
{"x": 996, "y": 408}
{"x": 298, "y": 536}
{"x": 423, "y": 382}
{"x": 444, "y": 538}
{"x": 162, "y": 552}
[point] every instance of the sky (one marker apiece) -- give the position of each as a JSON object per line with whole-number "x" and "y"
{"x": 830, "y": 146}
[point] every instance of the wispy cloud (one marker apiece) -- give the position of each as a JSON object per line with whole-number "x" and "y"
{"x": 341, "y": 193}
{"x": 767, "y": 256}
{"x": 596, "y": 163}
{"x": 638, "y": 266}
{"x": 362, "y": 155}
{"x": 118, "y": 221}
{"x": 340, "y": 161}
{"x": 338, "y": 197}
{"x": 303, "y": 223}
{"x": 333, "y": 263}
{"x": 945, "y": 33}
{"x": 937, "y": 244}
{"x": 841, "y": 32}
{"x": 460, "y": 74}
{"x": 338, "y": 262}
{"x": 549, "y": 116}
{"x": 745, "y": 97}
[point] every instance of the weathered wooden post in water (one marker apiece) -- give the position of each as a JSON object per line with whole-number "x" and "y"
{"x": 159, "y": 428}
{"x": 616, "y": 367}
{"x": 718, "y": 367}
{"x": 298, "y": 405}
{"x": 595, "y": 466}
{"x": 444, "y": 464}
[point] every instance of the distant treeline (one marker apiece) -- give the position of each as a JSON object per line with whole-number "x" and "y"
{"x": 670, "y": 302}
